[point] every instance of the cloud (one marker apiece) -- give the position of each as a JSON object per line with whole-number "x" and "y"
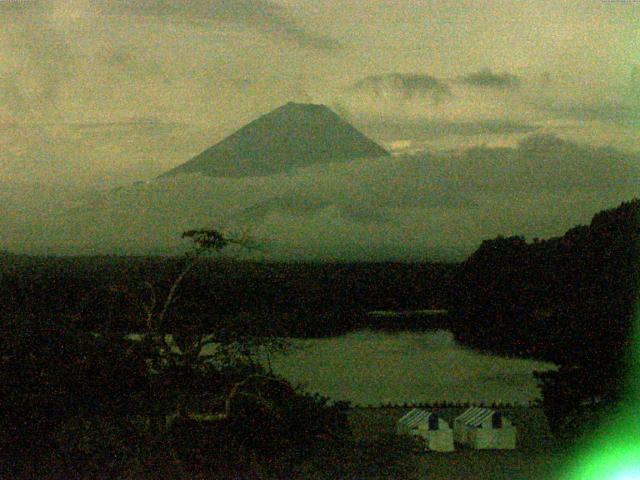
{"x": 357, "y": 210}
{"x": 401, "y": 86}
{"x": 487, "y": 79}
{"x": 390, "y": 129}
{"x": 116, "y": 91}
{"x": 488, "y": 109}
{"x": 94, "y": 152}
{"x": 297, "y": 205}
{"x": 264, "y": 16}
{"x": 77, "y": 60}
{"x": 19, "y": 6}
{"x": 137, "y": 63}
{"x": 35, "y": 59}
{"x": 366, "y": 191}
{"x": 435, "y": 206}
{"x": 452, "y": 104}
{"x": 547, "y": 164}
{"x": 610, "y": 112}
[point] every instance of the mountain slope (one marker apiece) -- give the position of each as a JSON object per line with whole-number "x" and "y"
{"x": 294, "y": 135}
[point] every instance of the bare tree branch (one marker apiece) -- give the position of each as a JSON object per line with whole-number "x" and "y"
{"x": 172, "y": 291}
{"x": 150, "y": 308}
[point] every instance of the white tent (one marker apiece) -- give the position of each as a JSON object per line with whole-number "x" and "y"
{"x": 435, "y": 431}
{"x": 484, "y": 428}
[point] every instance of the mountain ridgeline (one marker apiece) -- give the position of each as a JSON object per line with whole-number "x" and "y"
{"x": 291, "y": 136}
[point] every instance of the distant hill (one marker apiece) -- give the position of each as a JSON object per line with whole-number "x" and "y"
{"x": 293, "y": 135}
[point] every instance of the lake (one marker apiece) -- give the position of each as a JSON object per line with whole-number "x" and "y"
{"x": 372, "y": 367}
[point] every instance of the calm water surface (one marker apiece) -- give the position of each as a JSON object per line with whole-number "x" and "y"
{"x": 371, "y": 367}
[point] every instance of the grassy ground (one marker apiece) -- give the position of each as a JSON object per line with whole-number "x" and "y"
{"x": 537, "y": 456}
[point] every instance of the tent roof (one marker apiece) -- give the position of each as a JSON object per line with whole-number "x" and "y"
{"x": 475, "y": 416}
{"x": 415, "y": 417}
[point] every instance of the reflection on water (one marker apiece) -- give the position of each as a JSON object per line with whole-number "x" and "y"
{"x": 369, "y": 368}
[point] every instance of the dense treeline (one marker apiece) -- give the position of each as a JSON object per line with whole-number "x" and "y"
{"x": 77, "y": 405}
{"x": 301, "y": 299}
{"x": 568, "y": 299}
{"x": 78, "y": 399}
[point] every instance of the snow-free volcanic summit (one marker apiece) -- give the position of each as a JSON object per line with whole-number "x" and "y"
{"x": 291, "y": 136}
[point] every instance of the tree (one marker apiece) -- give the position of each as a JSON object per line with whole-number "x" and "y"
{"x": 227, "y": 404}
{"x": 188, "y": 366}
{"x": 74, "y": 390}
{"x": 52, "y": 374}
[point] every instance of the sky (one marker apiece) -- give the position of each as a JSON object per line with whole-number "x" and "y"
{"x": 96, "y": 95}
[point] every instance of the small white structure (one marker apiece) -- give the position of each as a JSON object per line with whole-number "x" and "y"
{"x": 484, "y": 428}
{"x": 435, "y": 431}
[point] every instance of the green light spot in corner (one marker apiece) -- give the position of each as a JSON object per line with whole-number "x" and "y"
{"x": 615, "y": 462}
{"x": 614, "y": 452}
{"x": 633, "y": 474}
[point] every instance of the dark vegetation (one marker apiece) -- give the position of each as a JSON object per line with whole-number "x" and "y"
{"x": 296, "y": 299}
{"x": 78, "y": 406}
{"x": 569, "y": 300}
{"x": 79, "y": 400}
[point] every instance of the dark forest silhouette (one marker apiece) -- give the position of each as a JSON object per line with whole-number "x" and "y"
{"x": 569, "y": 300}
{"x": 296, "y": 299}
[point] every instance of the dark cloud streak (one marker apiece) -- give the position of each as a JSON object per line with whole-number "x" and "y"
{"x": 545, "y": 163}
{"x": 616, "y": 113}
{"x": 406, "y": 86}
{"x": 391, "y": 128}
{"x": 266, "y": 17}
{"x": 487, "y": 79}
